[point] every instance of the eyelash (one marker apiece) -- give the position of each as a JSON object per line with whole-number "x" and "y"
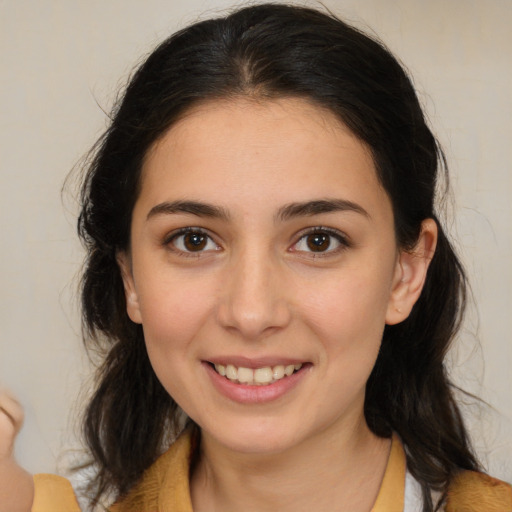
{"x": 340, "y": 238}
{"x": 170, "y": 241}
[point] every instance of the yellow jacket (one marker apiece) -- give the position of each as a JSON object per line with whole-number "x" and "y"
{"x": 164, "y": 487}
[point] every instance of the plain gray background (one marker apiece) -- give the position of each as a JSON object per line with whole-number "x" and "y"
{"x": 62, "y": 62}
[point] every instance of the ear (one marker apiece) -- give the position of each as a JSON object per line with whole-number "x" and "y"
{"x": 410, "y": 274}
{"x": 132, "y": 299}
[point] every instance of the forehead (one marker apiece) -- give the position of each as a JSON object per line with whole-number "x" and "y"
{"x": 242, "y": 150}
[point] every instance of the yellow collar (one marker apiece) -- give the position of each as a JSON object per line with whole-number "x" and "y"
{"x": 391, "y": 493}
{"x": 165, "y": 485}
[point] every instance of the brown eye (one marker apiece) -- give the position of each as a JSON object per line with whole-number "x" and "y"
{"x": 321, "y": 240}
{"x": 318, "y": 242}
{"x": 192, "y": 241}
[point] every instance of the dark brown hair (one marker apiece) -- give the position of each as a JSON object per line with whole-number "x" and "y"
{"x": 273, "y": 51}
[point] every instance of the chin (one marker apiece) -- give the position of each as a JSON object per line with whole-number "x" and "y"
{"x": 263, "y": 437}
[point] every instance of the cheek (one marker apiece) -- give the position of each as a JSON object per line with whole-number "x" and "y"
{"x": 173, "y": 311}
{"x": 347, "y": 323}
{"x": 352, "y": 307}
{"x": 347, "y": 316}
{"x": 172, "y": 314}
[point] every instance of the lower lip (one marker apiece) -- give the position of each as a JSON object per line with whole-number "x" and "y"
{"x": 246, "y": 394}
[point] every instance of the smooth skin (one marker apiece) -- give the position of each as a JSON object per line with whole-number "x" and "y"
{"x": 262, "y": 232}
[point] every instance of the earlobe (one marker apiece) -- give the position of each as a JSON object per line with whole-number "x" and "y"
{"x": 130, "y": 293}
{"x": 410, "y": 274}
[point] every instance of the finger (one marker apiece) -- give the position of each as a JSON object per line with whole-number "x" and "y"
{"x": 12, "y": 409}
{"x": 11, "y": 420}
{"x": 7, "y": 413}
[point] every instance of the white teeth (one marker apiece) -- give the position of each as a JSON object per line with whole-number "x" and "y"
{"x": 257, "y": 377}
{"x": 288, "y": 370}
{"x": 231, "y": 372}
{"x": 245, "y": 375}
{"x": 263, "y": 375}
{"x": 278, "y": 372}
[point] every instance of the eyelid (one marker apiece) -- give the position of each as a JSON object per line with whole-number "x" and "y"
{"x": 172, "y": 236}
{"x": 341, "y": 237}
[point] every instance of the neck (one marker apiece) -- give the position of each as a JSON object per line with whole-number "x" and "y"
{"x": 344, "y": 468}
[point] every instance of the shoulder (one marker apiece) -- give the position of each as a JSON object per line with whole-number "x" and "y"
{"x": 476, "y": 492}
{"x": 53, "y": 493}
{"x": 164, "y": 485}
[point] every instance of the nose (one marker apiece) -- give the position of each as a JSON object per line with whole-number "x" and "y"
{"x": 253, "y": 301}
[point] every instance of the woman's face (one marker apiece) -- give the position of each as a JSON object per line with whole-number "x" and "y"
{"x": 262, "y": 244}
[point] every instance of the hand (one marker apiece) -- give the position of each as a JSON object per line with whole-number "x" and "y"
{"x": 11, "y": 420}
{"x": 16, "y": 485}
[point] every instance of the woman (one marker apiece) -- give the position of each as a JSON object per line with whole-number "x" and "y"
{"x": 264, "y": 255}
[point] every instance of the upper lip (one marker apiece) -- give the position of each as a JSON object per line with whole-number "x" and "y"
{"x": 254, "y": 363}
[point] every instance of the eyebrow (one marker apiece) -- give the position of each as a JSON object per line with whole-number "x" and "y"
{"x": 191, "y": 207}
{"x": 287, "y": 212}
{"x": 317, "y": 207}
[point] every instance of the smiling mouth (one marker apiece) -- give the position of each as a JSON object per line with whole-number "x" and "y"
{"x": 256, "y": 377}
